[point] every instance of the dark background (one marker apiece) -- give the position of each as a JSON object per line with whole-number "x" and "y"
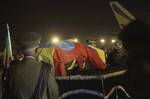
{"x": 66, "y": 18}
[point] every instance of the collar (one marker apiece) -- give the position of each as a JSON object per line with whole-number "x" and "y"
{"x": 31, "y": 57}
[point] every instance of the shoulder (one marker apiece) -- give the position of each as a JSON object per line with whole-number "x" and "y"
{"x": 25, "y": 64}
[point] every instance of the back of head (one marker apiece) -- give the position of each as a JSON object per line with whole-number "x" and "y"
{"x": 28, "y": 42}
{"x": 136, "y": 35}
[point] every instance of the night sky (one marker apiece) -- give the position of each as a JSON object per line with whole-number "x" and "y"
{"x": 81, "y": 18}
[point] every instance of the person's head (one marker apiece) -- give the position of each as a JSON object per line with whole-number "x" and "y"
{"x": 136, "y": 35}
{"x": 91, "y": 42}
{"x": 135, "y": 38}
{"x": 29, "y": 42}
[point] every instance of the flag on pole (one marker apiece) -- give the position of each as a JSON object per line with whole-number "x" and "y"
{"x": 8, "y": 49}
{"x": 6, "y": 63}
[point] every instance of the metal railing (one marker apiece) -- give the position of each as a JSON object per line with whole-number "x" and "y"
{"x": 91, "y": 92}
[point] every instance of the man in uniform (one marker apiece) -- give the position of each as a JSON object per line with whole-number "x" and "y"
{"x": 30, "y": 79}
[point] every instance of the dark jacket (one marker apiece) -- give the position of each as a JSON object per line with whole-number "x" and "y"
{"x": 24, "y": 77}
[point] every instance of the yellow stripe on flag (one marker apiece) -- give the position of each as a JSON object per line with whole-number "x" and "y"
{"x": 100, "y": 53}
{"x": 46, "y": 55}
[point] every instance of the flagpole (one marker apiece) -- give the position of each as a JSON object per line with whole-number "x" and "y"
{"x": 9, "y": 41}
{"x": 8, "y": 49}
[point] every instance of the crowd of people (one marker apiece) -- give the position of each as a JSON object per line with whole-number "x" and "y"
{"x": 115, "y": 55}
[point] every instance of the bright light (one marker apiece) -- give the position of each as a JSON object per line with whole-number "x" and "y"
{"x": 76, "y": 40}
{"x": 113, "y": 41}
{"x": 55, "y": 40}
{"x": 102, "y": 40}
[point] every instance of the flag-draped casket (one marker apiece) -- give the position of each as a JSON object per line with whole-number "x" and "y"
{"x": 78, "y": 55}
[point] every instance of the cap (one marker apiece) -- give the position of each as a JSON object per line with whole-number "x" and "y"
{"x": 89, "y": 41}
{"x": 29, "y": 40}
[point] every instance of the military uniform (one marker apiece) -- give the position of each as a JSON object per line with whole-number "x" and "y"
{"x": 24, "y": 76}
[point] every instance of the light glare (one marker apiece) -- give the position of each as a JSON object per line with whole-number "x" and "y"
{"x": 102, "y": 40}
{"x": 113, "y": 41}
{"x": 55, "y": 40}
{"x": 75, "y": 40}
